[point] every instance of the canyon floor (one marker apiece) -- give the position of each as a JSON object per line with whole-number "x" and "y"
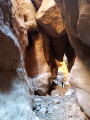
{"x": 59, "y": 106}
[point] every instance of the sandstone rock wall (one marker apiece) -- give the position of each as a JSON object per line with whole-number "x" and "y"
{"x": 80, "y": 79}
{"x": 35, "y": 47}
{"x": 76, "y": 14}
{"x": 9, "y": 60}
{"x": 14, "y": 87}
{"x": 36, "y": 65}
{"x": 49, "y": 18}
{"x": 23, "y": 16}
{"x": 40, "y": 49}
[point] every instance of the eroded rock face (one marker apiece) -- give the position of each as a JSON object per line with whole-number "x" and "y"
{"x": 61, "y": 46}
{"x": 14, "y": 96}
{"x": 48, "y": 16}
{"x": 80, "y": 79}
{"x": 40, "y": 50}
{"x": 9, "y": 50}
{"x": 14, "y": 88}
{"x": 39, "y": 62}
{"x": 9, "y": 47}
{"x": 4, "y": 17}
{"x": 76, "y": 16}
{"x": 24, "y": 18}
{"x": 35, "y": 47}
{"x": 25, "y": 10}
{"x": 35, "y": 59}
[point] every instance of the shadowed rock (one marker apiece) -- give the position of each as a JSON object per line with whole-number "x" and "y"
{"x": 37, "y": 3}
{"x": 76, "y": 15}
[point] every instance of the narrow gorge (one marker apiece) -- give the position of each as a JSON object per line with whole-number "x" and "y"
{"x": 44, "y": 60}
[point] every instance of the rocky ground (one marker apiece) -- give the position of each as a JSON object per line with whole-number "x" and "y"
{"x": 57, "y": 108}
{"x": 60, "y": 105}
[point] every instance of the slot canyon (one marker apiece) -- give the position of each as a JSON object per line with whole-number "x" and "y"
{"x": 44, "y": 59}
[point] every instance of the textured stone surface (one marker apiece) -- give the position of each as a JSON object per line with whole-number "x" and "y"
{"x": 15, "y": 102}
{"x": 80, "y": 79}
{"x": 76, "y": 15}
{"x": 24, "y": 18}
{"x": 61, "y": 46}
{"x": 35, "y": 45}
{"x": 9, "y": 50}
{"x": 40, "y": 63}
{"x": 35, "y": 59}
{"x": 48, "y": 16}
{"x": 6, "y": 14}
{"x": 42, "y": 83}
{"x": 14, "y": 88}
{"x": 9, "y": 47}
{"x": 24, "y": 10}
{"x": 59, "y": 108}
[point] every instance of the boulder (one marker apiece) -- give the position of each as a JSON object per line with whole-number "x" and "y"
{"x": 49, "y": 18}
{"x": 24, "y": 10}
{"x": 42, "y": 84}
{"x": 55, "y": 93}
{"x": 61, "y": 46}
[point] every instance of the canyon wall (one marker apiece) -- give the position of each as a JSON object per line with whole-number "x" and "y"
{"x": 34, "y": 44}
{"x": 32, "y": 37}
{"x": 43, "y": 38}
{"x": 14, "y": 88}
{"x": 76, "y": 16}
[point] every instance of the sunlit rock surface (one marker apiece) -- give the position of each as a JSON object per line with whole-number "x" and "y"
{"x": 48, "y": 16}
{"x": 39, "y": 62}
{"x": 23, "y": 13}
{"x": 24, "y": 10}
{"x": 35, "y": 45}
{"x": 40, "y": 50}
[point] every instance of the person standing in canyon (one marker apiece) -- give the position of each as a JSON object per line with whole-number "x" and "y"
{"x": 62, "y": 82}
